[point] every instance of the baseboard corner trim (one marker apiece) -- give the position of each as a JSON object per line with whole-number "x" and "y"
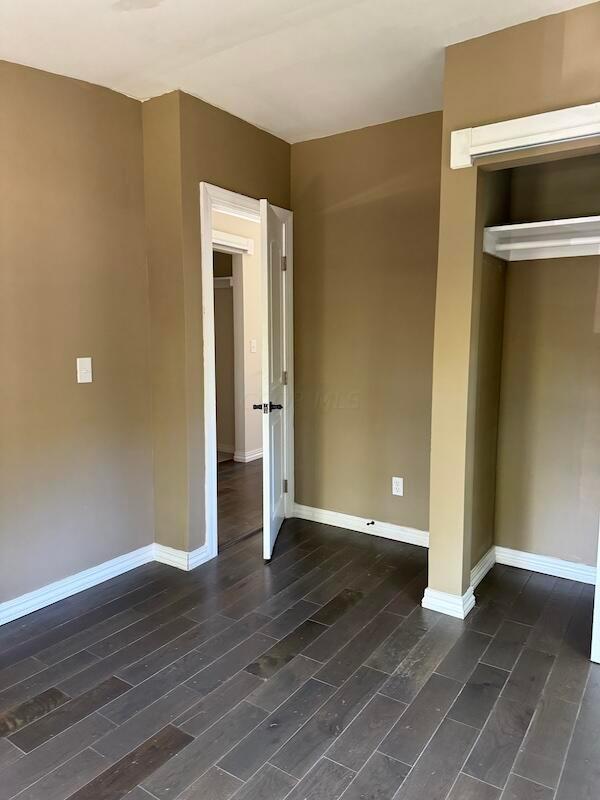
{"x": 245, "y": 456}
{"x": 66, "y": 587}
{"x": 452, "y": 605}
{"x": 548, "y": 565}
{"x": 182, "y": 559}
{"x": 387, "y": 530}
{"x": 483, "y": 566}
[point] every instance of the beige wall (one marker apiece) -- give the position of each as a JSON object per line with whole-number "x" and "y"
{"x": 493, "y": 208}
{"x": 75, "y": 460}
{"x": 224, "y": 356}
{"x": 365, "y": 246}
{"x": 189, "y": 141}
{"x": 550, "y": 63}
{"x": 162, "y": 183}
{"x": 247, "y": 326}
{"x": 549, "y": 446}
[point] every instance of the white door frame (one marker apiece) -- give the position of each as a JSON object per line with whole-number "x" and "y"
{"x": 596, "y": 621}
{"x": 213, "y": 198}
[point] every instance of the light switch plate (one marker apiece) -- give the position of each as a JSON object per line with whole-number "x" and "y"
{"x": 84, "y": 370}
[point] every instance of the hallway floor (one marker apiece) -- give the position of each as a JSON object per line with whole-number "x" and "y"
{"x": 315, "y": 677}
{"x": 239, "y": 500}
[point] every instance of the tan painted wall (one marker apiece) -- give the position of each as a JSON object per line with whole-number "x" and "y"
{"x": 189, "y": 141}
{"x": 75, "y": 460}
{"x": 224, "y": 356}
{"x": 365, "y": 245}
{"x": 549, "y": 446}
{"x": 247, "y": 292}
{"x": 550, "y": 63}
{"x": 162, "y": 182}
{"x": 493, "y": 208}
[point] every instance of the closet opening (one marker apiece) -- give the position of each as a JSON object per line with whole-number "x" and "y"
{"x": 535, "y": 432}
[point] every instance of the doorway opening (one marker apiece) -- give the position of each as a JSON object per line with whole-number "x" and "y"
{"x": 237, "y": 304}
{"x": 247, "y": 296}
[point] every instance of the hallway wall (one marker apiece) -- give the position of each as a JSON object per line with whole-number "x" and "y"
{"x": 247, "y": 291}
{"x": 224, "y": 356}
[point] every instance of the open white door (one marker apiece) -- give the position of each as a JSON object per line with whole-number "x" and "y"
{"x": 273, "y": 368}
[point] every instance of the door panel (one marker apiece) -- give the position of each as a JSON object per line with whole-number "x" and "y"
{"x": 273, "y": 365}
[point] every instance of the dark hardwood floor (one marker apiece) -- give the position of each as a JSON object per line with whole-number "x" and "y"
{"x": 315, "y": 677}
{"x": 239, "y": 500}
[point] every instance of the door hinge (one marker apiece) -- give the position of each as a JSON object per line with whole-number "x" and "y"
{"x": 285, "y": 485}
{"x": 284, "y": 377}
{"x": 283, "y": 263}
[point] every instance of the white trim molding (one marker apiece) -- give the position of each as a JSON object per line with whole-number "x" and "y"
{"x": 483, "y": 566}
{"x": 387, "y": 530}
{"x": 596, "y": 620}
{"x": 236, "y": 205}
{"x": 59, "y": 590}
{"x": 231, "y": 243}
{"x": 244, "y": 456}
{"x": 546, "y": 564}
{"x": 451, "y": 604}
{"x": 182, "y": 559}
{"x": 551, "y": 127}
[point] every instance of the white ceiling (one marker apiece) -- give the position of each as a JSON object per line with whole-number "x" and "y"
{"x": 298, "y": 68}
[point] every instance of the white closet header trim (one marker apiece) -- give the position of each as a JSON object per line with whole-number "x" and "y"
{"x": 552, "y": 127}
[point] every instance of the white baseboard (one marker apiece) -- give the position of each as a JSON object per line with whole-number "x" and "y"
{"x": 546, "y": 564}
{"x": 244, "y": 456}
{"x": 454, "y": 605}
{"x": 200, "y": 556}
{"x": 451, "y": 604}
{"x": 387, "y": 530}
{"x": 225, "y": 448}
{"x": 171, "y": 556}
{"x": 59, "y": 590}
{"x": 483, "y": 566}
{"x": 181, "y": 559}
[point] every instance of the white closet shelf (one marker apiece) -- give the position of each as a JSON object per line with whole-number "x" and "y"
{"x": 556, "y": 238}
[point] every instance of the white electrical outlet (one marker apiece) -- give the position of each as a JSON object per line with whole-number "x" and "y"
{"x": 398, "y": 486}
{"x": 84, "y": 370}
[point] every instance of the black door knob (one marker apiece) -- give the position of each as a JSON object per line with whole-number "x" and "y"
{"x": 257, "y": 406}
{"x": 275, "y": 406}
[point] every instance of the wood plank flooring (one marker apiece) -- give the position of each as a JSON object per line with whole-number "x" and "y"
{"x": 315, "y": 677}
{"x": 239, "y": 500}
